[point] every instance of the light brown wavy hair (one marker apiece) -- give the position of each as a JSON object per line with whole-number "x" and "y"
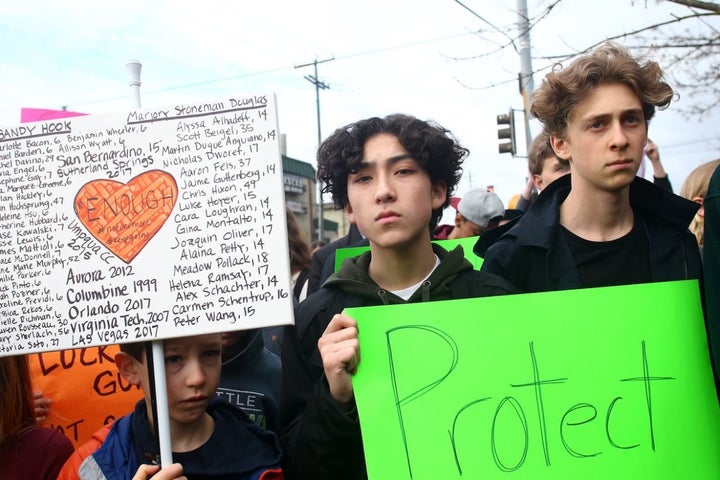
{"x": 564, "y": 88}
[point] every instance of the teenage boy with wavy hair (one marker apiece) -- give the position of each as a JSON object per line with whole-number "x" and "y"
{"x": 393, "y": 176}
{"x": 601, "y": 225}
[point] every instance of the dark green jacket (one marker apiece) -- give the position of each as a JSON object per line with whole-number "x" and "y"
{"x": 319, "y": 439}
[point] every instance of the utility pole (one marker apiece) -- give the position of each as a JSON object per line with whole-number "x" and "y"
{"x": 318, "y": 86}
{"x": 526, "y": 72}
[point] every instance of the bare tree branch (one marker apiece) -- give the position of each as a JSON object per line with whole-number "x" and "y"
{"x": 511, "y": 40}
{"x": 635, "y": 32}
{"x": 709, "y": 6}
{"x": 691, "y": 58}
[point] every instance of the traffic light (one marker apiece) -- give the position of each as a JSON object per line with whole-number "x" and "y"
{"x": 507, "y": 133}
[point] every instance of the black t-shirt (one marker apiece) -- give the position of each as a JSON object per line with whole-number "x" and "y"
{"x": 623, "y": 261}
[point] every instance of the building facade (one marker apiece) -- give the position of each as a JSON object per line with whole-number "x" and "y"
{"x": 300, "y": 183}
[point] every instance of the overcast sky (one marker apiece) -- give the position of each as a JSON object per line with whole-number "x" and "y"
{"x": 423, "y": 57}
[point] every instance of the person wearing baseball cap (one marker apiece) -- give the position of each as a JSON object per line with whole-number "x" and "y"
{"x": 477, "y": 211}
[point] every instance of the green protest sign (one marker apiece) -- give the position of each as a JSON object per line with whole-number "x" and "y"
{"x": 594, "y": 384}
{"x": 467, "y": 243}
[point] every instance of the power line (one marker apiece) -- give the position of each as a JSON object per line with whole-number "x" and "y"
{"x": 201, "y": 83}
{"x": 531, "y": 21}
{"x": 500, "y": 31}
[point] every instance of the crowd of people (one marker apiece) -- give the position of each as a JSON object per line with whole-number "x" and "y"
{"x": 586, "y": 219}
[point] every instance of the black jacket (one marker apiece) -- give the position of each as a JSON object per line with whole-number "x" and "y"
{"x": 251, "y": 380}
{"x": 320, "y": 440}
{"x": 711, "y": 257}
{"x": 533, "y": 255}
{"x": 238, "y": 449}
{"x": 326, "y": 254}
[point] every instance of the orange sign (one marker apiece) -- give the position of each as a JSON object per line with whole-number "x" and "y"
{"x": 85, "y": 387}
{"x": 125, "y": 216}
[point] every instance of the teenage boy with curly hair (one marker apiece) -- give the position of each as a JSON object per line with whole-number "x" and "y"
{"x": 393, "y": 176}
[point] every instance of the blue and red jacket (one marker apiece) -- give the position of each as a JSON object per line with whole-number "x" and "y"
{"x": 237, "y": 449}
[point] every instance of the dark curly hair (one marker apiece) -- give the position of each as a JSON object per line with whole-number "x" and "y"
{"x": 433, "y": 147}
{"x": 562, "y": 89}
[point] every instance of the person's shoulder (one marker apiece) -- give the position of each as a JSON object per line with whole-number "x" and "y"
{"x": 538, "y": 227}
{"x": 352, "y": 237}
{"x": 104, "y": 444}
{"x": 313, "y": 314}
{"x": 218, "y": 408}
{"x": 119, "y": 430}
{"x": 660, "y": 206}
{"x": 317, "y": 308}
{"x": 45, "y": 434}
{"x": 47, "y": 440}
{"x": 322, "y": 253}
{"x": 476, "y": 283}
{"x": 101, "y": 434}
{"x": 270, "y": 359}
{"x": 490, "y": 237}
{"x": 503, "y": 246}
{"x": 72, "y": 466}
{"x": 231, "y": 417}
{"x": 315, "y": 302}
{"x": 58, "y": 442}
{"x": 232, "y": 422}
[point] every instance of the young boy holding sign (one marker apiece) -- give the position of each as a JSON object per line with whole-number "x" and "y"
{"x": 210, "y": 438}
{"x": 393, "y": 176}
{"x": 601, "y": 225}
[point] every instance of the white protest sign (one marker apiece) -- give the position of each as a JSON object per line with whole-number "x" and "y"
{"x": 141, "y": 226}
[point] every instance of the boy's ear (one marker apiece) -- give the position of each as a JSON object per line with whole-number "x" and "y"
{"x": 349, "y": 213}
{"x": 438, "y": 194}
{"x": 560, "y": 146}
{"x": 128, "y": 367}
{"x": 458, "y": 219}
{"x": 537, "y": 180}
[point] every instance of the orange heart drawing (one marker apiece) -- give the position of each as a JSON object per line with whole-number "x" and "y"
{"x": 125, "y": 216}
